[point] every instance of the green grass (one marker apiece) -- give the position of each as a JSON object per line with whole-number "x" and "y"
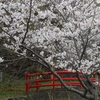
{"x": 11, "y": 91}
{"x": 5, "y": 94}
{"x": 12, "y": 87}
{"x": 64, "y": 99}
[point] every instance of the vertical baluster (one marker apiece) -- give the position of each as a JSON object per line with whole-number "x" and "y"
{"x": 61, "y": 75}
{"x": 53, "y": 82}
{"x": 27, "y": 82}
{"x": 37, "y": 83}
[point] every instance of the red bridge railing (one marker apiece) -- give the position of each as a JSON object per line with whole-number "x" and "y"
{"x": 72, "y": 81}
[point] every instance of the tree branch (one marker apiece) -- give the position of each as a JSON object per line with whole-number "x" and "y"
{"x": 47, "y": 65}
{"x": 27, "y": 29}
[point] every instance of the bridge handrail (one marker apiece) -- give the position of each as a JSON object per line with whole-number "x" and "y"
{"x": 53, "y": 80}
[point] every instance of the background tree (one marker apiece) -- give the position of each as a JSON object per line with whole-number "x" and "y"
{"x": 64, "y": 34}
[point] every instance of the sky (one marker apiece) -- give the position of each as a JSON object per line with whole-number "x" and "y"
{"x": 98, "y": 1}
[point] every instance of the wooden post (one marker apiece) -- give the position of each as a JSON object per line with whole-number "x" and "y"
{"x": 96, "y": 87}
{"x": 27, "y": 82}
{"x": 53, "y": 82}
{"x": 52, "y": 76}
{"x": 37, "y": 83}
{"x": 0, "y": 76}
{"x": 61, "y": 75}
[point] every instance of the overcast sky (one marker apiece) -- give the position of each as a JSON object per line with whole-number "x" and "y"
{"x": 98, "y": 1}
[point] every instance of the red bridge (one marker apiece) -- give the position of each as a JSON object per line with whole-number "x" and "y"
{"x": 38, "y": 79}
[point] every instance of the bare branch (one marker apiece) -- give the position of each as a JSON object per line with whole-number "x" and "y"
{"x": 27, "y": 28}
{"x": 84, "y": 49}
{"x": 65, "y": 19}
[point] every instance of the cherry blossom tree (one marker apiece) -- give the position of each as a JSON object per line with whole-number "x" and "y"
{"x": 60, "y": 33}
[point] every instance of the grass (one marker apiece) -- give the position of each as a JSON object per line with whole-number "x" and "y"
{"x": 64, "y": 99}
{"x": 12, "y": 87}
{"x": 5, "y": 94}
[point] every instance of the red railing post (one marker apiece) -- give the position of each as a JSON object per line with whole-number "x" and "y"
{"x": 61, "y": 75}
{"x": 37, "y": 83}
{"x": 27, "y": 82}
{"x": 53, "y": 82}
{"x": 81, "y": 87}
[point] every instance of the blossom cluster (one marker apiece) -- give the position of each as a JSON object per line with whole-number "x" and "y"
{"x": 68, "y": 31}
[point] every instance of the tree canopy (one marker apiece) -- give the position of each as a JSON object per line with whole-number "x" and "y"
{"x": 66, "y": 32}
{"x": 60, "y": 33}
